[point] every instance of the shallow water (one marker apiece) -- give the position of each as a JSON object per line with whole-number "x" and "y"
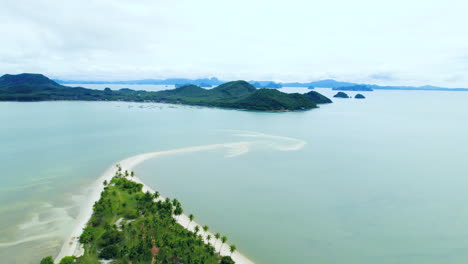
{"x": 380, "y": 180}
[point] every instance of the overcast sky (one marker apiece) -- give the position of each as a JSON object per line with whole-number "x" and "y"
{"x": 398, "y": 42}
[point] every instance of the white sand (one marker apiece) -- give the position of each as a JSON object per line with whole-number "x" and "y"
{"x": 72, "y": 245}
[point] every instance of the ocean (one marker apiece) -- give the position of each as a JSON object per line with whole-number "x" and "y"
{"x": 379, "y": 180}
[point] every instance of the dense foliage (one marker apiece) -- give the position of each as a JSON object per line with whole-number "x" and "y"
{"x": 318, "y": 98}
{"x": 237, "y": 94}
{"x": 341, "y": 95}
{"x": 68, "y": 260}
{"x": 47, "y": 260}
{"x": 271, "y": 100}
{"x": 129, "y": 226}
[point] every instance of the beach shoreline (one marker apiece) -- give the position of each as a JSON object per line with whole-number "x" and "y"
{"x": 72, "y": 247}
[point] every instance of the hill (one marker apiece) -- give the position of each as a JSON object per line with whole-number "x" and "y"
{"x": 271, "y": 100}
{"x": 234, "y": 89}
{"x": 318, "y": 98}
{"x": 237, "y": 94}
{"x": 35, "y": 81}
{"x": 322, "y": 84}
{"x": 341, "y": 95}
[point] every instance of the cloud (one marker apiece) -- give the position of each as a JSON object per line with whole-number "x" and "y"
{"x": 383, "y": 77}
{"x": 389, "y": 41}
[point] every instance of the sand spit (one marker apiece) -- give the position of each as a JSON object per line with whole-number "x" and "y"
{"x": 72, "y": 245}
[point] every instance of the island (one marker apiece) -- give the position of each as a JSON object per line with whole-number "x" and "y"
{"x": 131, "y": 226}
{"x": 341, "y": 95}
{"x": 359, "y": 96}
{"x": 235, "y": 94}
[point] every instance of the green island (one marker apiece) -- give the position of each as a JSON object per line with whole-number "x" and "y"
{"x": 130, "y": 226}
{"x": 341, "y": 95}
{"x": 235, "y": 95}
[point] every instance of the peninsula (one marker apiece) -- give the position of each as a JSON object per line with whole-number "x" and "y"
{"x": 235, "y": 95}
{"x": 131, "y": 224}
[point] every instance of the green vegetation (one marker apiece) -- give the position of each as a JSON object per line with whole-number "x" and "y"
{"x": 68, "y": 260}
{"x": 237, "y": 94}
{"x": 318, "y": 98}
{"x": 47, "y": 260}
{"x": 341, "y": 95}
{"x": 130, "y": 226}
{"x": 227, "y": 260}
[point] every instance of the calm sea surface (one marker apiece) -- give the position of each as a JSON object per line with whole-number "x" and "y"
{"x": 381, "y": 180}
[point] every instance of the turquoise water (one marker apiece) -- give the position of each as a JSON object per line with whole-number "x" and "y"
{"x": 381, "y": 180}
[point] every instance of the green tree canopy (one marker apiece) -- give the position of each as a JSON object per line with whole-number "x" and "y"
{"x": 68, "y": 260}
{"x": 47, "y": 260}
{"x": 227, "y": 260}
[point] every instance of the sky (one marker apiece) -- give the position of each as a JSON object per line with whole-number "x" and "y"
{"x": 396, "y": 42}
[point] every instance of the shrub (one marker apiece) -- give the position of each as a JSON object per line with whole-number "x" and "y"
{"x": 47, "y": 260}
{"x": 227, "y": 260}
{"x": 111, "y": 237}
{"x": 88, "y": 235}
{"x": 68, "y": 260}
{"x": 109, "y": 252}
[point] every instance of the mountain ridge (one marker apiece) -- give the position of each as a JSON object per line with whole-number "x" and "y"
{"x": 213, "y": 81}
{"x": 237, "y": 94}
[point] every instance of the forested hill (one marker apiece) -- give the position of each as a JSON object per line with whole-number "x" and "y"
{"x": 237, "y": 94}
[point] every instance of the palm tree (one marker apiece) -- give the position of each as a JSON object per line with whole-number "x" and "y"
{"x": 178, "y": 211}
{"x": 156, "y": 195}
{"x": 223, "y": 239}
{"x": 191, "y": 217}
{"x": 217, "y": 236}
{"x": 205, "y": 228}
{"x": 197, "y": 228}
{"x": 133, "y": 173}
{"x": 208, "y": 237}
{"x": 232, "y": 248}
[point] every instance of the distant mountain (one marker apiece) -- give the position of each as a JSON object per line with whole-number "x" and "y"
{"x": 205, "y": 82}
{"x": 416, "y": 88}
{"x": 265, "y": 84}
{"x": 237, "y": 94}
{"x": 336, "y": 85}
{"x": 354, "y": 88}
{"x": 210, "y": 82}
{"x": 322, "y": 84}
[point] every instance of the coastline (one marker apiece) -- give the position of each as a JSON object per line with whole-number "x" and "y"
{"x": 72, "y": 247}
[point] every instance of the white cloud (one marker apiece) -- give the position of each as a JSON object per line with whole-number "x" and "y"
{"x": 413, "y": 41}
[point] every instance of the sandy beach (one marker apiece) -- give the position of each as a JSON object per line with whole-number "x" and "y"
{"x": 72, "y": 246}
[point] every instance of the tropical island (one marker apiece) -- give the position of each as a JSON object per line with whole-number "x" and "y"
{"x": 341, "y": 95}
{"x": 359, "y": 96}
{"x": 235, "y": 94}
{"x": 132, "y": 226}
